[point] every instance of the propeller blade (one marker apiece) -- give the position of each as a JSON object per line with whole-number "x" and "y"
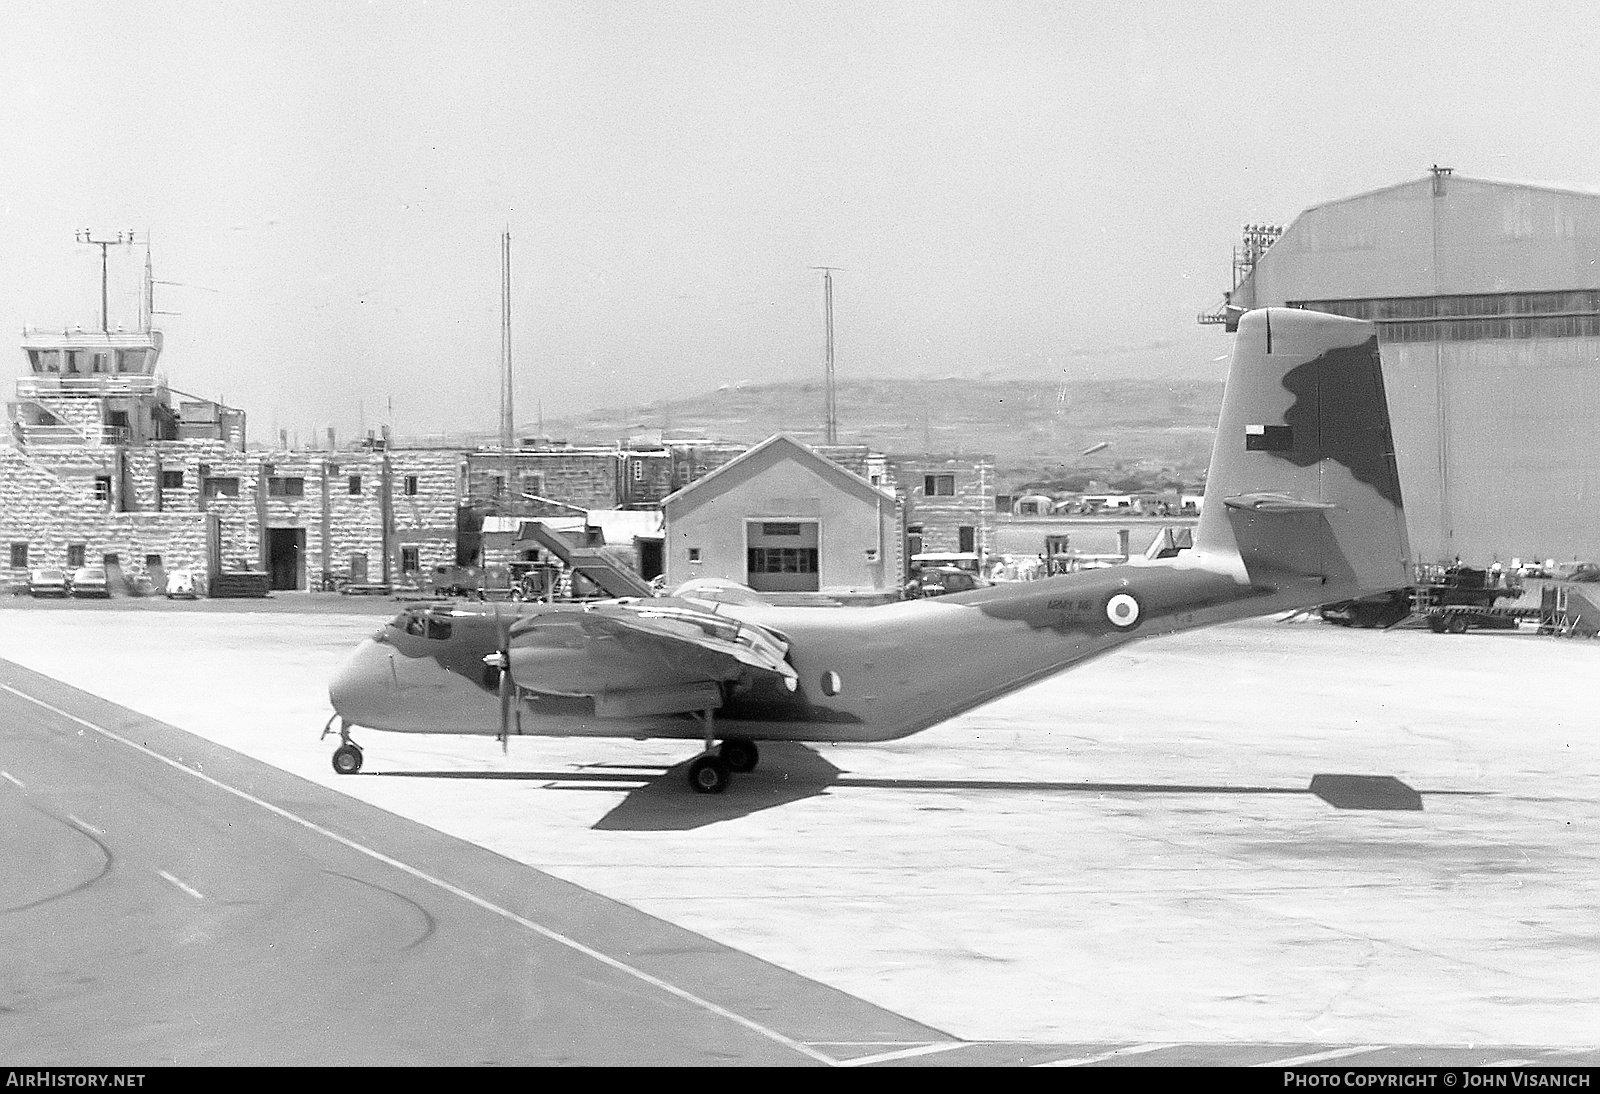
{"x": 506, "y": 683}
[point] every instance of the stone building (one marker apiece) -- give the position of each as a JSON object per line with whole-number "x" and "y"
{"x": 949, "y": 503}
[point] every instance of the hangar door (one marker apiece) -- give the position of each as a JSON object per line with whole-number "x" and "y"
{"x": 781, "y": 556}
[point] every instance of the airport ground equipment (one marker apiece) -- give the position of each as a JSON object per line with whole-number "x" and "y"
{"x": 592, "y": 561}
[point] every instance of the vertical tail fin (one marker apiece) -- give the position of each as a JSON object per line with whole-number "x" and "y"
{"x": 1303, "y": 489}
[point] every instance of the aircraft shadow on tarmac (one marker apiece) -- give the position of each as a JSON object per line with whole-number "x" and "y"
{"x": 659, "y": 800}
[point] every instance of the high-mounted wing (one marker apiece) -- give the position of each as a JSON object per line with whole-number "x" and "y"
{"x": 642, "y": 658}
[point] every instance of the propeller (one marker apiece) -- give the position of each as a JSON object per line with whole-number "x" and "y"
{"x": 506, "y": 685}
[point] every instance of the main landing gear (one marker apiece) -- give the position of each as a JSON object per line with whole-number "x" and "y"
{"x": 347, "y": 757}
{"x": 713, "y": 769}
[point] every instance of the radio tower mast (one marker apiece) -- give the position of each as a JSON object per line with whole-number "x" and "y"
{"x": 832, "y": 432}
{"x": 507, "y": 410}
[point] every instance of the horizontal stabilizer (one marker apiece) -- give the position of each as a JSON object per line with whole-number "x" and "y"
{"x": 1274, "y": 503}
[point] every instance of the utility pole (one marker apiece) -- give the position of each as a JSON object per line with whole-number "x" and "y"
{"x": 85, "y": 236}
{"x": 832, "y": 408}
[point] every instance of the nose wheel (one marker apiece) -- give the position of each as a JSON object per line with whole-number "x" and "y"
{"x": 347, "y": 757}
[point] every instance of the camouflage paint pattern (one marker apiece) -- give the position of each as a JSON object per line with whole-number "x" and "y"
{"x": 1303, "y": 507}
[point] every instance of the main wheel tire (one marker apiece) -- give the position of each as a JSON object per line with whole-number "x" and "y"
{"x": 709, "y": 775}
{"x": 347, "y": 759}
{"x": 1456, "y": 624}
{"x": 740, "y": 755}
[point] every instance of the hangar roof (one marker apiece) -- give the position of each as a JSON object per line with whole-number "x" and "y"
{"x": 1433, "y": 236}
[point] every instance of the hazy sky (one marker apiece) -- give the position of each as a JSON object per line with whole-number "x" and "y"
{"x": 1048, "y": 189}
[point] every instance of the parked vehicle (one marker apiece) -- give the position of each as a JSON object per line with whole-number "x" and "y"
{"x": 47, "y": 583}
{"x": 183, "y": 585}
{"x": 940, "y": 580}
{"x": 90, "y": 581}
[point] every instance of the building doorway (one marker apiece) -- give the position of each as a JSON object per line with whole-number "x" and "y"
{"x": 286, "y": 558}
{"x": 782, "y": 556}
{"x": 651, "y": 556}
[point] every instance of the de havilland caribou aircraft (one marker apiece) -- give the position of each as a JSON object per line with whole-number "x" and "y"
{"x": 1302, "y": 507}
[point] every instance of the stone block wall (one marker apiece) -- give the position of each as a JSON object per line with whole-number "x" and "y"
{"x": 942, "y": 516}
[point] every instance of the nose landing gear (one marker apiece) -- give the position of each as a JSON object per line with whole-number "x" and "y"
{"x": 347, "y": 757}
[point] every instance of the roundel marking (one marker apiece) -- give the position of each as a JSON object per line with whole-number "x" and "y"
{"x": 1123, "y": 611}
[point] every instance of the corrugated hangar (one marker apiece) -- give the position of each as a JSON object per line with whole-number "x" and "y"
{"x": 1486, "y": 295}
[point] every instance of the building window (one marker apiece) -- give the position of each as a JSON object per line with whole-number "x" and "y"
{"x": 355, "y": 485}
{"x": 75, "y": 554}
{"x": 782, "y": 560}
{"x": 411, "y": 486}
{"x": 939, "y": 486}
{"x": 694, "y": 554}
{"x": 285, "y": 487}
{"x": 152, "y": 562}
{"x": 497, "y": 484}
{"x": 19, "y": 556}
{"x": 771, "y": 529}
{"x": 410, "y": 563}
{"x": 221, "y": 486}
{"x": 172, "y": 480}
{"x": 102, "y": 488}
{"x": 968, "y": 538}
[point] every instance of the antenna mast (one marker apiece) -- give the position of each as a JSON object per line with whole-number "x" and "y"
{"x": 85, "y": 236}
{"x": 832, "y": 406}
{"x": 507, "y": 411}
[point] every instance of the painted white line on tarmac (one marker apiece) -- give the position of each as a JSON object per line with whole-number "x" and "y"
{"x": 85, "y": 825}
{"x": 1318, "y": 1057}
{"x": 1131, "y": 1050}
{"x": 196, "y": 893}
{"x": 903, "y": 1054}
{"x": 10, "y": 778}
{"x": 454, "y": 890}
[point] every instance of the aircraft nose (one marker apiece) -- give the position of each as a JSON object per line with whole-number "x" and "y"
{"x": 363, "y": 685}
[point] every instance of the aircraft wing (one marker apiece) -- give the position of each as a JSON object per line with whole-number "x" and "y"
{"x": 641, "y": 658}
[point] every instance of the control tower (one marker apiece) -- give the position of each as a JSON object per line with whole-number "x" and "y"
{"x": 91, "y": 389}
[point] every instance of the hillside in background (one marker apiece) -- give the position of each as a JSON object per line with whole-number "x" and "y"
{"x": 1154, "y": 430}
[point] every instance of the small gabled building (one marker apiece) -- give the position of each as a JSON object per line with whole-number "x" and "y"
{"x": 782, "y": 517}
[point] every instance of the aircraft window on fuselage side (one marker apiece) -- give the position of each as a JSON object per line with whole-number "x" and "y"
{"x": 416, "y": 625}
{"x": 438, "y": 628}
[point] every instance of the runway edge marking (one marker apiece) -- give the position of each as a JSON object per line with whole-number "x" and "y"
{"x": 455, "y": 890}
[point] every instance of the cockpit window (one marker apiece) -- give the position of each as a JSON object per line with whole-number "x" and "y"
{"x": 420, "y": 623}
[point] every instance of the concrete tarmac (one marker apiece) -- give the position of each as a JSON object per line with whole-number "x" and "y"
{"x": 1120, "y": 865}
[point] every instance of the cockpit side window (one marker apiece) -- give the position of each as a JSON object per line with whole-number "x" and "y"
{"x": 438, "y": 628}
